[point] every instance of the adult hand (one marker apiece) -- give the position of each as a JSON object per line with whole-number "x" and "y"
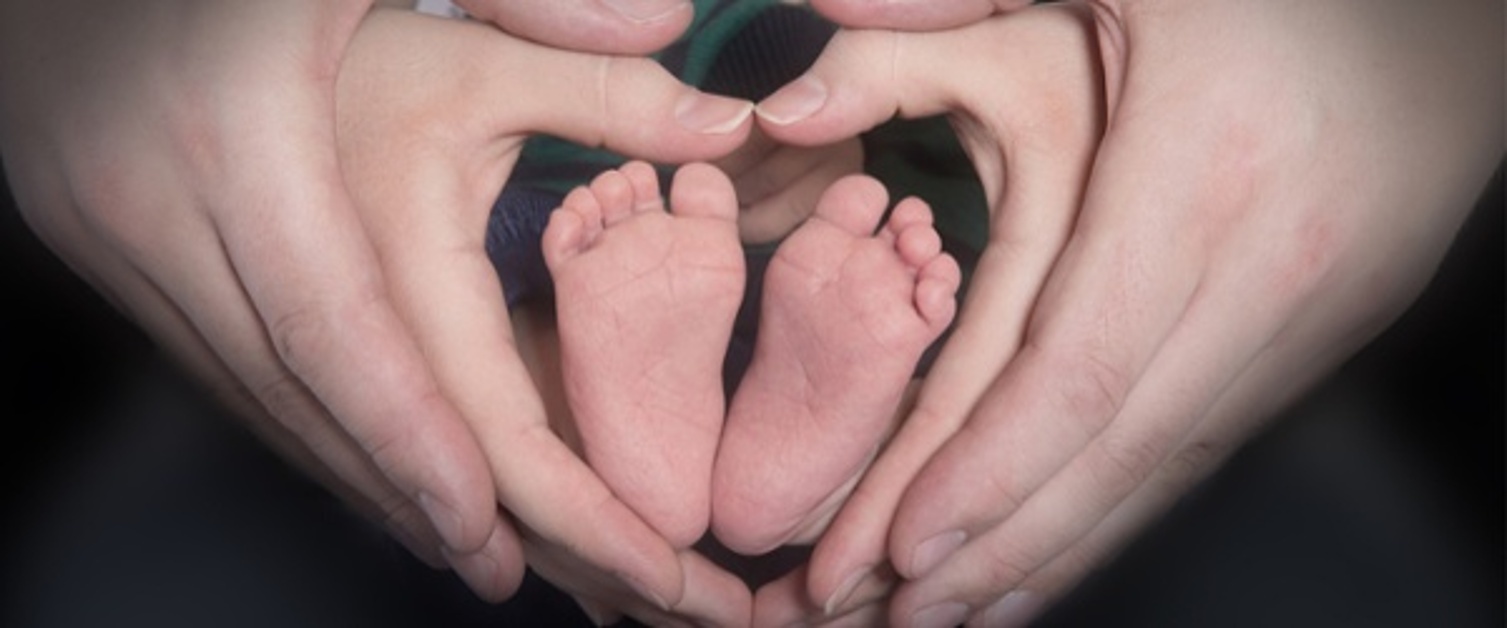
{"x": 1275, "y": 182}
{"x": 778, "y": 184}
{"x": 432, "y": 116}
{"x": 180, "y": 155}
{"x": 628, "y": 27}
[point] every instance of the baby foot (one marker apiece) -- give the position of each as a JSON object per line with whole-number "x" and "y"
{"x": 646, "y": 300}
{"x": 846, "y": 315}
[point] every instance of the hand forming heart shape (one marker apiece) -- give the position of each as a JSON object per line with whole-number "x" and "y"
{"x": 1088, "y": 323}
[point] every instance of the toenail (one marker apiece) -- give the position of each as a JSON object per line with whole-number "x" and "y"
{"x": 642, "y": 11}
{"x": 714, "y": 115}
{"x": 794, "y": 102}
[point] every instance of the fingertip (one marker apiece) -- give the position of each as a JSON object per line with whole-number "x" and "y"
{"x": 455, "y": 531}
{"x": 795, "y": 102}
{"x": 650, "y": 114}
{"x": 846, "y": 92}
{"x": 849, "y": 566}
{"x": 599, "y": 614}
{"x": 624, "y": 27}
{"x": 710, "y": 114}
{"x": 419, "y": 539}
{"x": 495, "y": 570}
{"x": 1016, "y": 608}
{"x": 915, "y": 15}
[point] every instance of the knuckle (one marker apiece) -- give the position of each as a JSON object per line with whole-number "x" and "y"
{"x": 300, "y": 336}
{"x": 1088, "y": 387}
{"x": 312, "y": 332}
{"x": 1006, "y": 493}
{"x": 289, "y": 401}
{"x": 1191, "y": 463}
{"x": 1073, "y": 565}
{"x": 1003, "y": 567}
{"x": 618, "y": 93}
{"x": 1119, "y": 465}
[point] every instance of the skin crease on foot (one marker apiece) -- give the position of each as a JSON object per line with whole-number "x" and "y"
{"x": 848, "y": 309}
{"x": 645, "y": 304}
{"x": 646, "y": 300}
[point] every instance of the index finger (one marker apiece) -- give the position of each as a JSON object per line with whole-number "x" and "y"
{"x": 603, "y": 26}
{"x": 918, "y": 15}
{"x": 301, "y": 254}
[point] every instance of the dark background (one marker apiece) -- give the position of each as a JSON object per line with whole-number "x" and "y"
{"x": 130, "y": 501}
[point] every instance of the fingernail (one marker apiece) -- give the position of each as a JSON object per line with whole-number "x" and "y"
{"x": 647, "y": 593}
{"x": 933, "y": 551}
{"x": 713, "y": 115}
{"x": 597, "y": 616}
{"x": 794, "y": 102}
{"x": 845, "y": 590}
{"x": 944, "y": 615}
{"x": 446, "y": 521}
{"x": 646, "y": 10}
{"x": 1017, "y": 608}
{"x": 478, "y": 569}
{"x": 427, "y": 553}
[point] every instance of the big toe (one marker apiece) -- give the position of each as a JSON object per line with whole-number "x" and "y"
{"x": 701, "y": 190}
{"x": 855, "y": 204}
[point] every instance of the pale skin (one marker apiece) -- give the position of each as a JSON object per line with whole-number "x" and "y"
{"x": 645, "y": 300}
{"x": 849, "y": 305}
{"x": 182, "y": 157}
{"x": 239, "y": 271}
{"x": 1263, "y": 199}
{"x": 1446, "y": 58}
{"x": 408, "y": 151}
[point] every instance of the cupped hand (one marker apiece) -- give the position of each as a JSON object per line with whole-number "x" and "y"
{"x": 432, "y": 116}
{"x": 778, "y": 184}
{"x": 1265, "y": 199}
{"x": 181, "y": 157}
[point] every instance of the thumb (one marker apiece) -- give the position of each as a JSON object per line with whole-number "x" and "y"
{"x": 609, "y": 26}
{"x": 861, "y": 80}
{"x": 500, "y": 87}
{"x": 915, "y": 15}
{"x": 630, "y": 105}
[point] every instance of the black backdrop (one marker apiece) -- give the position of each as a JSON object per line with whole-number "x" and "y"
{"x": 130, "y": 502}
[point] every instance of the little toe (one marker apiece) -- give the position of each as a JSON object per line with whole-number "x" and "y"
{"x": 701, "y": 190}
{"x": 614, "y": 192}
{"x": 855, "y": 204}
{"x": 645, "y": 184}
{"x": 571, "y": 228}
{"x": 936, "y": 291}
